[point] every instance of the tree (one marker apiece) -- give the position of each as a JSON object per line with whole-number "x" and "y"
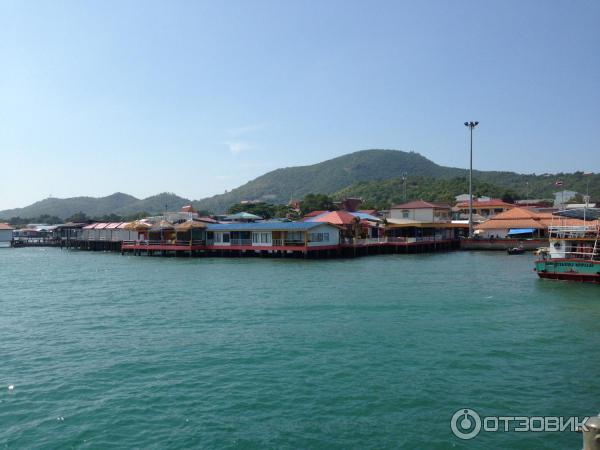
{"x": 316, "y": 202}
{"x": 79, "y": 217}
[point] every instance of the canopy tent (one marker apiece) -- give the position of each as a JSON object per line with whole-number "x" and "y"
{"x": 163, "y": 225}
{"x": 136, "y": 226}
{"x": 190, "y": 230}
{"x": 190, "y": 225}
{"x": 514, "y": 231}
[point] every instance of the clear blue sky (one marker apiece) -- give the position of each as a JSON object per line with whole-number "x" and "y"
{"x": 197, "y": 97}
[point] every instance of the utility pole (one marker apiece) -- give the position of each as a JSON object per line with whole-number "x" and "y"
{"x": 470, "y": 126}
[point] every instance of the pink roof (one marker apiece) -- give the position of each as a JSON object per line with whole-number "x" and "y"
{"x": 336, "y": 218}
{"x": 421, "y": 204}
{"x": 5, "y": 226}
{"x": 100, "y": 226}
{"x": 113, "y": 225}
{"x": 90, "y": 226}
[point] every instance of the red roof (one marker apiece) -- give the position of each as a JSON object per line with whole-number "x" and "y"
{"x": 187, "y": 208}
{"x": 5, "y": 226}
{"x": 336, "y": 218}
{"x": 493, "y": 203}
{"x": 421, "y": 204}
{"x": 371, "y": 212}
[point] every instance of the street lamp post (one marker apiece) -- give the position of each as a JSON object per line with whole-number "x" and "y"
{"x": 471, "y": 125}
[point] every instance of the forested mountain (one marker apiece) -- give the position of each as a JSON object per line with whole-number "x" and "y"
{"x": 118, "y": 203}
{"x": 336, "y": 174}
{"x": 375, "y": 175}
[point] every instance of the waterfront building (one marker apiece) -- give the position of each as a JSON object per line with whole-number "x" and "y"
{"x": 422, "y": 211}
{"x": 6, "y": 234}
{"x": 68, "y": 232}
{"x": 484, "y": 208}
{"x": 276, "y": 235}
{"x": 410, "y": 231}
{"x": 516, "y": 223}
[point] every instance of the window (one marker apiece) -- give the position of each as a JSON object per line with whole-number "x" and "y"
{"x": 318, "y": 237}
{"x": 265, "y": 238}
{"x": 225, "y": 237}
{"x": 405, "y": 213}
{"x": 295, "y": 236}
{"x": 255, "y": 238}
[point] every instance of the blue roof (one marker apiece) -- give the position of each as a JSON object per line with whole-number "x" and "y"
{"x": 521, "y": 230}
{"x": 261, "y": 226}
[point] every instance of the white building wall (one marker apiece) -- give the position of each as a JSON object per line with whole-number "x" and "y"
{"x": 5, "y": 237}
{"x": 499, "y": 233}
{"x": 420, "y": 215}
{"x": 331, "y": 233}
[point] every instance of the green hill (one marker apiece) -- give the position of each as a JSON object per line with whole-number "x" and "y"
{"x": 118, "y": 203}
{"x": 383, "y": 193}
{"x": 372, "y": 174}
{"x": 328, "y": 177}
{"x": 332, "y": 176}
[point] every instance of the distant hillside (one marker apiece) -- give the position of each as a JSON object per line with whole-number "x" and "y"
{"x": 381, "y": 194}
{"x": 118, "y": 203}
{"x": 328, "y": 177}
{"x": 373, "y": 174}
{"x": 331, "y": 176}
{"x": 154, "y": 204}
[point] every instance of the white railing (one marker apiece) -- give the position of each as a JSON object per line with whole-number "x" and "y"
{"x": 573, "y": 231}
{"x": 240, "y": 241}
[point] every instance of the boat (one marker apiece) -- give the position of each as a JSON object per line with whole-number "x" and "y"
{"x": 574, "y": 250}
{"x": 516, "y": 250}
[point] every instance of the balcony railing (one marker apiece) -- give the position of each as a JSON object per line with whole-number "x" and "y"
{"x": 241, "y": 241}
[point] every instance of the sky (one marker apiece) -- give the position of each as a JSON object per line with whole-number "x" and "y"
{"x": 197, "y": 97}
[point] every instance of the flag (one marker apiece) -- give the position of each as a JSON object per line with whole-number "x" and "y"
{"x": 558, "y": 183}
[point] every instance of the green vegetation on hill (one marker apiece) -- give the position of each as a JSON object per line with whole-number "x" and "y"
{"x": 382, "y": 194}
{"x": 364, "y": 171}
{"x": 334, "y": 175}
{"x": 122, "y": 205}
{"x": 264, "y": 210}
{"x": 327, "y": 177}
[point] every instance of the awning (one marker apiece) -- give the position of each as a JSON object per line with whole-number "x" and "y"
{"x": 521, "y": 230}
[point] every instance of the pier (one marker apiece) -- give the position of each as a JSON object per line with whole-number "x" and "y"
{"x": 358, "y": 247}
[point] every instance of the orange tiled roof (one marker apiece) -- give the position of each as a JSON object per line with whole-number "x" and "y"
{"x": 336, "y": 218}
{"x": 493, "y": 203}
{"x": 524, "y": 218}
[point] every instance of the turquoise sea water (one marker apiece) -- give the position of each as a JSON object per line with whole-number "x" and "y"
{"x": 107, "y": 351}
